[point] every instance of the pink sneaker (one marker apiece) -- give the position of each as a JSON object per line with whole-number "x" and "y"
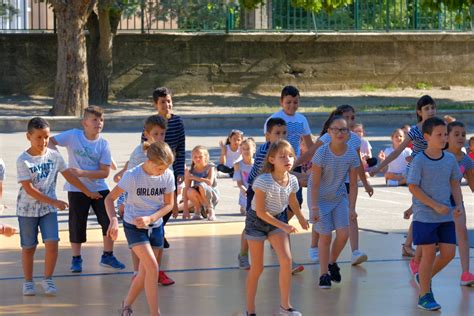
{"x": 467, "y": 279}
{"x": 414, "y": 266}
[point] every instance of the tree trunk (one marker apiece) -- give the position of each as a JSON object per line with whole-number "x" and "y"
{"x": 471, "y": 13}
{"x": 101, "y": 28}
{"x": 71, "y": 89}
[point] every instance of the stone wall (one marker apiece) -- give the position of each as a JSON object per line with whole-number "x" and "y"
{"x": 251, "y": 63}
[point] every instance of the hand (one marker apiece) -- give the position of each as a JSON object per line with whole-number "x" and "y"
{"x": 76, "y": 172}
{"x": 112, "y": 231}
{"x": 118, "y": 176}
{"x": 458, "y": 210}
{"x": 186, "y": 215}
{"x": 61, "y": 205}
{"x": 441, "y": 209}
{"x": 222, "y": 145}
{"x": 94, "y": 195}
{"x": 8, "y": 230}
{"x": 175, "y": 211}
{"x": 303, "y": 223}
{"x": 407, "y": 213}
{"x": 180, "y": 179}
{"x": 369, "y": 190}
{"x": 289, "y": 229}
{"x": 142, "y": 222}
{"x": 316, "y": 216}
{"x": 381, "y": 155}
{"x": 353, "y": 215}
{"x": 244, "y": 191}
{"x": 373, "y": 171}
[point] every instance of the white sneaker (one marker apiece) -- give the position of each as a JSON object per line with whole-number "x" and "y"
{"x": 49, "y": 287}
{"x": 358, "y": 257}
{"x": 314, "y": 254}
{"x": 289, "y": 312}
{"x": 29, "y": 288}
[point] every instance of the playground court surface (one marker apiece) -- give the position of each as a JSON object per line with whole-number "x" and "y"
{"x": 202, "y": 258}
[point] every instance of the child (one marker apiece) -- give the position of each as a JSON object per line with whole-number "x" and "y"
{"x": 396, "y": 173}
{"x": 155, "y": 130}
{"x": 230, "y": 152}
{"x": 434, "y": 175}
{"x": 37, "y": 205}
{"x": 150, "y": 195}
{"x": 348, "y": 113}
{"x": 90, "y": 160}
{"x": 425, "y": 109}
{"x": 276, "y": 130}
{"x": 2, "y": 178}
{"x": 471, "y": 147}
{"x": 365, "y": 147}
{"x": 327, "y": 197}
{"x": 200, "y": 185}
{"x": 275, "y": 189}
{"x": 242, "y": 170}
{"x": 7, "y": 230}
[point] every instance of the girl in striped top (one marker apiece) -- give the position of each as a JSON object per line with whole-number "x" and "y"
{"x": 328, "y": 197}
{"x": 275, "y": 190}
{"x": 425, "y": 109}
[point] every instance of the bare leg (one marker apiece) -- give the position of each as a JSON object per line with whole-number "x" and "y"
{"x": 324, "y": 246}
{"x": 281, "y": 244}
{"x": 446, "y": 254}
{"x": 51, "y": 256}
{"x": 463, "y": 242}
{"x": 354, "y": 234}
{"x": 426, "y": 267}
{"x": 244, "y": 246}
{"x": 256, "y": 254}
{"x": 76, "y": 249}
{"x": 27, "y": 255}
{"x": 339, "y": 243}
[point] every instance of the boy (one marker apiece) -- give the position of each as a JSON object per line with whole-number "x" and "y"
{"x": 90, "y": 160}
{"x": 432, "y": 179}
{"x": 275, "y": 131}
{"x": 37, "y": 204}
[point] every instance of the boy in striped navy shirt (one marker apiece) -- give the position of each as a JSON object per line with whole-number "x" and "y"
{"x": 275, "y": 131}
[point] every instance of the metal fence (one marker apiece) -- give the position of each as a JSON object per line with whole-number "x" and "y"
{"x": 149, "y": 16}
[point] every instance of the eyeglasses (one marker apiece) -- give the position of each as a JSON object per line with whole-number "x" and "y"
{"x": 339, "y": 130}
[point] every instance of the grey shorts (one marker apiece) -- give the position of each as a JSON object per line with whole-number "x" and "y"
{"x": 258, "y": 229}
{"x": 331, "y": 219}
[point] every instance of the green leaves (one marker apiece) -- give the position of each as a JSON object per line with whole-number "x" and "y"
{"x": 318, "y": 5}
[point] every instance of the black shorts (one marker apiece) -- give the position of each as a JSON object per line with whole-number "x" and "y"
{"x": 79, "y": 205}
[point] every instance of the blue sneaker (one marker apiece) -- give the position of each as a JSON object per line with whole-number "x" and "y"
{"x": 111, "y": 262}
{"x": 417, "y": 280}
{"x": 428, "y": 303}
{"x": 76, "y": 265}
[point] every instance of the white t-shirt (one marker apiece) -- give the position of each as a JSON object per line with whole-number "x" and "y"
{"x": 85, "y": 154}
{"x": 231, "y": 157}
{"x": 296, "y": 125}
{"x": 145, "y": 193}
{"x": 365, "y": 148}
{"x": 399, "y": 165}
{"x": 42, "y": 171}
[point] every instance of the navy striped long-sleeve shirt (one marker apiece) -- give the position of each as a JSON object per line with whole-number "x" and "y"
{"x": 258, "y": 163}
{"x": 175, "y": 138}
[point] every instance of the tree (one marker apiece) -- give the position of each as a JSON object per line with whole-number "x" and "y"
{"x": 7, "y": 10}
{"x": 71, "y": 89}
{"x": 459, "y": 6}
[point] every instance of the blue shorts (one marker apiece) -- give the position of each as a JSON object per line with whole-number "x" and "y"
{"x": 48, "y": 225}
{"x": 432, "y": 233}
{"x": 257, "y": 229}
{"x": 335, "y": 218}
{"x": 137, "y": 236}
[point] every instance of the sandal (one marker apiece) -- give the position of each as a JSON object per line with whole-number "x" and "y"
{"x": 407, "y": 251}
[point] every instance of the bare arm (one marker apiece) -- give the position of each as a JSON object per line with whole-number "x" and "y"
{"x": 72, "y": 179}
{"x": 393, "y": 155}
{"x": 470, "y": 179}
{"x": 308, "y": 154}
{"x": 353, "y": 190}
{"x": 102, "y": 173}
{"x": 264, "y": 215}
{"x": 112, "y": 231}
{"x": 240, "y": 183}
{"x": 39, "y": 196}
{"x": 222, "y": 159}
{"x": 295, "y": 208}
{"x": 316, "y": 177}
{"x": 363, "y": 178}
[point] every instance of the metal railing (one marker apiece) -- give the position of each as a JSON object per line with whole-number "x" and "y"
{"x": 276, "y": 15}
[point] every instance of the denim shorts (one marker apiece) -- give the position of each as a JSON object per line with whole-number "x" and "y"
{"x": 257, "y": 229}
{"x": 48, "y": 225}
{"x": 138, "y": 236}
{"x": 432, "y": 233}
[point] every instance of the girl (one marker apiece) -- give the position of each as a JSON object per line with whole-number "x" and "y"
{"x": 242, "y": 170}
{"x": 327, "y": 197}
{"x": 275, "y": 190}
{"x": 230, "y": 152}
{"x": 200, "y": 185}
{"x": 396, "y": 173}
{"x": 425, "y": 109}
{"x": 154, "y": 131}
{"x": 150, "y": 195}
{"x": 348, "y": 113}
{"x": 365, "y": 147}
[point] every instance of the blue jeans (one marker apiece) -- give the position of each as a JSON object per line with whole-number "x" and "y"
{"x": 29, "y": 229}
{"x": 138, "y": 236}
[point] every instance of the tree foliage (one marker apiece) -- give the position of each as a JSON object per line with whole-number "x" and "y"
{"x": 7, "y": 10}
{"x": 318, "y": 5}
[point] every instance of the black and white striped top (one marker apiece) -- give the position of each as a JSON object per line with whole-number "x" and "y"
{"x": 276, "y": 196}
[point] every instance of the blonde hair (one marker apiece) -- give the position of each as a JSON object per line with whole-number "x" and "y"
{"x": 273, "y": 150}
{"x": 250, "y": 142}
{"x": 96, "y": 111}
{"x": 159, "y": 153}
{"x": 204, "y": 150}
{"x": 396, "y": 131}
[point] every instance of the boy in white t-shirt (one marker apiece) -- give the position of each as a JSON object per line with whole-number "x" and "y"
{"x": 37, "y": 205}
{"x": 90, "y": 160}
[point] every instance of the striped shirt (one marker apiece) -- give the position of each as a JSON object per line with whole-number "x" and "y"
{"x": 297, "y": 126}
{"x": 276, "y": 196}
{"x": 258, "y": 163}
{"x": 175, "y": 138}
{"x": 418, "y": 141}
{"x": 465, "y": 164}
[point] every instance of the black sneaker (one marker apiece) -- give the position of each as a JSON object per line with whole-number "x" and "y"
{"x": 325, "y": 281}
{"x": 334, "y": 272}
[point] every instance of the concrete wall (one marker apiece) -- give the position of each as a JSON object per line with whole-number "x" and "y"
{"x": 251, "y": 63}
